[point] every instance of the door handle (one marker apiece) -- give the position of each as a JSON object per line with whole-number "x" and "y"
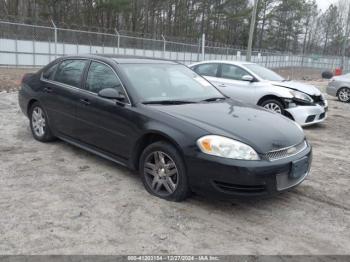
{"x": 85, "y": 101}
{"x": 47, "y": 90}
{"x": 222, "y": 85}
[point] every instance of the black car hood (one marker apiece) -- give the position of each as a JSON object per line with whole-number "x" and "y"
{"x": 263, "y": 130}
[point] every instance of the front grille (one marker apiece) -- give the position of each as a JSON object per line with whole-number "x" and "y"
{"x": 285, "y": 152}
{"x": 247, "y": 189}
{"x": 323, "y": 115}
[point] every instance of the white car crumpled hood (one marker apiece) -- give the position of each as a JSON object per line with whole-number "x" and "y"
{"x": 305, "y": 88}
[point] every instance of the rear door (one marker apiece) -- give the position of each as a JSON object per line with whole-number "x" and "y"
{"x": 60, "y": 94}
{"x": 104, "y": 123}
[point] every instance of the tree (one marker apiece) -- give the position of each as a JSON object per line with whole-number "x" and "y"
{"x": 284, "y": 25}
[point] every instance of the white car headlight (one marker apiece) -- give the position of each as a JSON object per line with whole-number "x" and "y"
{"x": 226, "y": 147}
{"x": 301, "y": 96}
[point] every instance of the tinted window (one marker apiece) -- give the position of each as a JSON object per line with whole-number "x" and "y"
{"x": 70, "y": 71}
{"x": 233, "y": 72}
{"x": 100, "y": 77}
{"x": 207, "y": 69}
{"x": 49, "y": 73}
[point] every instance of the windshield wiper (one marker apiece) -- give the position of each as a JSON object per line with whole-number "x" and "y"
{"x": 213, "y": 99}
{"x": 168, "y": 102}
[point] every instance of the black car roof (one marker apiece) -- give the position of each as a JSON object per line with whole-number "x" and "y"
{"x": 126, "y": 59}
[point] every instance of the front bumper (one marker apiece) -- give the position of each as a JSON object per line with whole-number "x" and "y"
{"x": 228, "y": 178}
{"x": 309, "y": 115}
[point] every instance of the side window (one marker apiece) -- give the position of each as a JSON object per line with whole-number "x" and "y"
{"x": 101, "y": 77}
{"x": 233, "y": 72}
{"x": 49, "y": 73}
{"x": 70, "y": 71}
{"x": 207, "y": 69}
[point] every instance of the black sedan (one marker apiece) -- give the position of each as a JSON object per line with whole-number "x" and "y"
{"x": 167, "y": 122}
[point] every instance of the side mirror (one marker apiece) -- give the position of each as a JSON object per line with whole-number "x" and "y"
{"x": 111, "y": 93}
{"x": 248, "y": 78}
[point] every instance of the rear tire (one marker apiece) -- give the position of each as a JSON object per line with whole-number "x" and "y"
{"x": 163, "y": 172}
{"x": 344, "y": 94}
{"x": 39, "y": 124}
{"x": 273, "y": 105}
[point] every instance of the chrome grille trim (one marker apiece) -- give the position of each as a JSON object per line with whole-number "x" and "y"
{"x": 285, "y": 152}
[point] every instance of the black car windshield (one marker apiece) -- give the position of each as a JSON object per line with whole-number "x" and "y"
{"x": 264, "y": 73}
{"x": 168, "y": 82}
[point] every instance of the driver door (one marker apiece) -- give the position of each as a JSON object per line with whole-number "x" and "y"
{"x": 104, "y": 123}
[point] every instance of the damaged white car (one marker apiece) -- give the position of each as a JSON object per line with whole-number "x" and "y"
{"x": 255, "y": 84}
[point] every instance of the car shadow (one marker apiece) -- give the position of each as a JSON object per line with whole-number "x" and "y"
{"x": 315, "y": 126}
{"x": 242, "y": 201}
{"x": 88, "y": 155}
{"x": 199, "y": 201}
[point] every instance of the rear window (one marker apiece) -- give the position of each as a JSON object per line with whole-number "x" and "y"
{"x": 70, "y": 72}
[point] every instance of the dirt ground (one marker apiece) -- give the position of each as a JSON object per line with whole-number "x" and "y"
{"x": 300, "y": 73}
{"x": 11, "y": 78}
{"x": 58, "y": 199}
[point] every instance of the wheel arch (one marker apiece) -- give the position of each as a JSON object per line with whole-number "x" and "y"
{"x": 285, "y": 112}
{"x": 270, "y": 96}
{"x": 30, "y": 104}
{"x": 147, "y": 139}
{"x": 342, "y": 87}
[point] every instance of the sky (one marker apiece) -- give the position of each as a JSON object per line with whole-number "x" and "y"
{"x": 324, "y": 4}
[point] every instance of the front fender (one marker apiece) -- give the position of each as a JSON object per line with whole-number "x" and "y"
{"x": 176, "y": 136}
{"x": 279, "y": 91}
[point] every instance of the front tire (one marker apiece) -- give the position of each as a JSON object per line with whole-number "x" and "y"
{"x": 344, "y": 94}
{"x": 39, "y": 124}
{"x": 273, "y": 105}
{"x": 163, "y": 172}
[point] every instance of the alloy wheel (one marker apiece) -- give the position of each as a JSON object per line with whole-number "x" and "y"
{"x": 38, "y": 122}
{"x": 161, "y": 173}
{"x": 344, "y": 95}
{"x": 273, "y": 107}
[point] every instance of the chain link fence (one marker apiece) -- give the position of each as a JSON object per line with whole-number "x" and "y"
{"x": 26, "y": 45}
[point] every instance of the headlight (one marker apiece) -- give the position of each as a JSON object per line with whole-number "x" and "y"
{"x": 301, "y": 96}
{"x": 226, "y": 147}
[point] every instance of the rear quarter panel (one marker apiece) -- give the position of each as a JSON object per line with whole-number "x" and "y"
{"x": 28, "y": 91}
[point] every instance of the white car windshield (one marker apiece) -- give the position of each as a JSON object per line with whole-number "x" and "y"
{"x": 168, "y": 82}
{"x": 264, "y": 72}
